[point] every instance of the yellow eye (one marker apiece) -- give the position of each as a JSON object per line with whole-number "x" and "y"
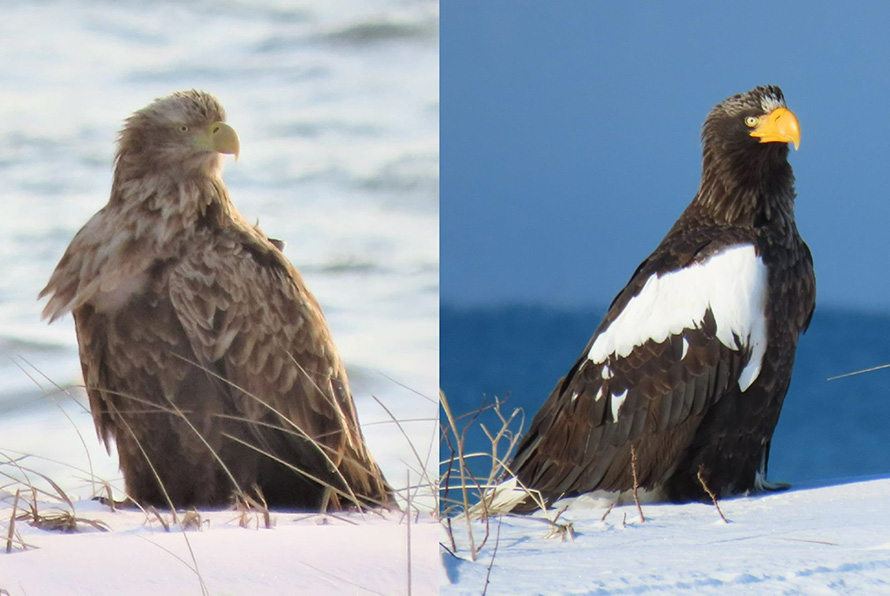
{"x": 751, "y": 121}
{"x": 183, "y": 129}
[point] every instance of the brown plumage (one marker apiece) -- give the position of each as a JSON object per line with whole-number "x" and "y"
{"x": 690, "y": 366}
{"x": 204, "y": 355}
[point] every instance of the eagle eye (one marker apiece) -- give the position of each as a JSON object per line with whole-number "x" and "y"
{"x": 183, "y": 128}
{"x": 751, "y": 121}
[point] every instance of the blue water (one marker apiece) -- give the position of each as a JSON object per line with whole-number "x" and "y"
{"x": 828, "y": 429}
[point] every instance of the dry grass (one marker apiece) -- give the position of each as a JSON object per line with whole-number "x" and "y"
{"x": 475, "y": 495}
{"x": 46, "y": 508}
{"x": 41, "y": 502}
{"x": 256, "y": 509}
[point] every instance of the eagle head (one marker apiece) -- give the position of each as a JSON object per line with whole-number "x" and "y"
{"x": 756, "y": 117}
{"x": 746, "y": 177}
{"x": 185, "y": 132}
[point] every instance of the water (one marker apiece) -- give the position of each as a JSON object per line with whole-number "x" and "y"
{"x": 828, "y": 430}
{"x": 336, "y": 105}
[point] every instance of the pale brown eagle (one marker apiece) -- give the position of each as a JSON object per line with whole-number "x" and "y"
{"x": 205, "y": 356}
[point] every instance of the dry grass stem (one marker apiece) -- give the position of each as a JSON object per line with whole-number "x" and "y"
{"x": 408, "y": 530}
{"x": 704, "y": 485}
{"x": 556, "y": 528}
{"x": 11, "y": 532}
{"x": 633, "y": 469}
{"x": 159, "y": 517}
{"x": 464, "y": 472}
{"x": 193, "y": 520}
{"x": 450, "y": 533}
{"x": 421, "y": 462}
{"x": 562, "y": 530}
{"x": 68, "y": 394}
{"x": 247, "y": 504}
{"x": 494, "y": 553}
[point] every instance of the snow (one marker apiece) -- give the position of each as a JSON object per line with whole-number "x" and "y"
{"x": 301, "y": 553}
{"x": 811, "y": 540}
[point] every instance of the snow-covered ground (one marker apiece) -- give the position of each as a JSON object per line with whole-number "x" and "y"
{"x": 300, "y": 554}
{"x": 811, "y": 540}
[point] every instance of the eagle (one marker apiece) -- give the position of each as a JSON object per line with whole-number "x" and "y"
{"x": 205, "y": 357}
{"x": 679, "y": 390}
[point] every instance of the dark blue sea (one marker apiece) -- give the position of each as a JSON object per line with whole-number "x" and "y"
{"x": 828, "y": 430}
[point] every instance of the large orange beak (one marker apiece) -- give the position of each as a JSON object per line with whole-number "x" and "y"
{"x": 779, "y": 126}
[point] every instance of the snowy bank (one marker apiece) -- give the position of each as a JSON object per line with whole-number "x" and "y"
{"x": 53, "y": 447}
{"x": 810, "y": 540}
{"x": 300, "y": 554}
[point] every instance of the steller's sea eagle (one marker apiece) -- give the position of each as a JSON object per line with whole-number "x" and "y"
{"x": 204, "y": 355}
{"x": 689, "y": 368}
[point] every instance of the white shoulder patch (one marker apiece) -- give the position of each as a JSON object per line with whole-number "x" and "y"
{"x": 732, "y": 284}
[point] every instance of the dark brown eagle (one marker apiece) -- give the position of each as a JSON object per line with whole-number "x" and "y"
{"x": 205, "y": 356}
{"x": 690, "y": 366}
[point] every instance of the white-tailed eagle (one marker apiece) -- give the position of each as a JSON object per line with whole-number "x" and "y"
{"x": 205, "y": 357}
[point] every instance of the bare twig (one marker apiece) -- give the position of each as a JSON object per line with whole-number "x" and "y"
{"x": 633, "y": 469}
{"x": 704, "y": 485}
{"x": 450, "y": 532}
{"x": 494, "y": 553}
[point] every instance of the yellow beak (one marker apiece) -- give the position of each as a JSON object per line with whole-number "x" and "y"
{"x": 779, "y": 126}
{"x": 222, "y": 138}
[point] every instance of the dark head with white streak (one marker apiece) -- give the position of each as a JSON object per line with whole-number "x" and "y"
{"x": 745, "y": 157}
